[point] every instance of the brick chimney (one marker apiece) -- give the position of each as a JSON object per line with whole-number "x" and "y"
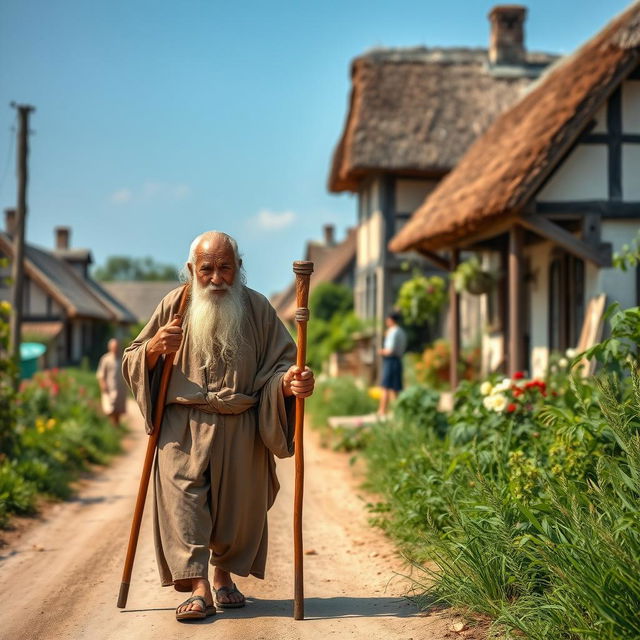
{"x": 10, "y": 221}
{"x": 506, "y": 45}
{"x": 62, "y": 238}
{"x": 329, "y": 235}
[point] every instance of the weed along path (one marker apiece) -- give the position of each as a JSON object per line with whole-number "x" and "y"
{"x": 59, "y": 579}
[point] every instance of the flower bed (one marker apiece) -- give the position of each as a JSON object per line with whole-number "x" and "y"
{"x": 527, "y": 496}
{"x": 58, "y": 430}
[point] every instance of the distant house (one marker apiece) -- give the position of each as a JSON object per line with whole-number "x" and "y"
{"x": 63, "y": 306}
{"x": 333, "y": 262}
{"x": 140, "y": 297}
{"x": 544, "y": 196}
{"x": 413, "y": 113}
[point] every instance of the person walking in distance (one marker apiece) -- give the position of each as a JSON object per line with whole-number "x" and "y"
{"x": 394, "y": 346}
{"x": 113, "y": 389}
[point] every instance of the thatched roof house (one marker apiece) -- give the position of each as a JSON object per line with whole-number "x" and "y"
{"x": 545, "y": 195}
{"x": 413, "y": 113}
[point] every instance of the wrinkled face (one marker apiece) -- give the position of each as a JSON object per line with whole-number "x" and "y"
{"x": 215, "y": 265}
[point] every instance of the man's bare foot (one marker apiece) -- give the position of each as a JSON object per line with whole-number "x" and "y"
{"x": 200, "y": 587}
{"x": 223, "y": 579}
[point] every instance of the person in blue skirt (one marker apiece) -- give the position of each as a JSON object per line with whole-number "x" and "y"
{"x": 394, "y": 346}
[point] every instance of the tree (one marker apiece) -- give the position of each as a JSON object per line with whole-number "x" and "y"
{"x": 329, "y": 299}
{"x": 128, "y": 268}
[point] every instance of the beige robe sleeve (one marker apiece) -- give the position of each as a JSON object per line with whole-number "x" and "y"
{"x": 134, "y": 366}
{"x": 276, "y": 414}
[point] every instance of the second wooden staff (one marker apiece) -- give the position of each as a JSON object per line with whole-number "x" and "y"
{"x": 148, "y": 464}
{"x": 303, "y": 270}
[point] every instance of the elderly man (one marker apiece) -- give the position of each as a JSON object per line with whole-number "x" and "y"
{"x": 229, "y": 410}
{"x": 112, "y": 387}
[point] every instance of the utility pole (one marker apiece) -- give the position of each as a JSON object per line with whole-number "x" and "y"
{"x": 17, "y": 271}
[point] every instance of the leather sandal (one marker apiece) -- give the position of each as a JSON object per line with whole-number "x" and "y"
{"x": 227, "y": 591}
{"x": 193, "y": 614}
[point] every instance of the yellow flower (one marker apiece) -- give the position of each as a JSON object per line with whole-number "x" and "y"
{"x": 486, "y": 388}
{"x": 374, "y": 393}
{"x": 51, "y": 422}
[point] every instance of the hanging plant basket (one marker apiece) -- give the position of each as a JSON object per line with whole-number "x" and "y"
{"x": 470, "y": 277}
{"x": 480, "y": 283}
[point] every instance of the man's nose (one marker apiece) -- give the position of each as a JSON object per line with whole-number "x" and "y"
{"x": 216, "y": 277}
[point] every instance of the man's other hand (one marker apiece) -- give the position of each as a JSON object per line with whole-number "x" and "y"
{"x": 168, "y": 338}
{"x": 298, "y": 383}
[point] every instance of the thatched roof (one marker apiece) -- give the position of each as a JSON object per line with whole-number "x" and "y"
{"x": 417, "y": 110}
{"x": 504, "y": 168}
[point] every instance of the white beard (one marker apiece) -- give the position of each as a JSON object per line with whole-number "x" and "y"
{"x": 215, "y": 320}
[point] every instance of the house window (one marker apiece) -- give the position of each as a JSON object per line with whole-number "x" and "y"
{"x": 566, "y": 300}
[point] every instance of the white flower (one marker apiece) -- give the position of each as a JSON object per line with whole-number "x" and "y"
{"x": 502, "y": 386}
{"x": 488, "y": 403}
{"x": 499, "y": 402}
{"x": 486, "y": 388}
{"x": 571, "y": 353}
{"x": 563, "y": 362}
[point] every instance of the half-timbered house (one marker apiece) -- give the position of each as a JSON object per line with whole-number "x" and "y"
{"x": 545, "y": 196}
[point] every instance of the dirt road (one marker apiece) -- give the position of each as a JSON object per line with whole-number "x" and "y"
{"x": 60, "y": 578}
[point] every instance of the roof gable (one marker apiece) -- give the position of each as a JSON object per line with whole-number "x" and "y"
{"x": 79, "y": 297}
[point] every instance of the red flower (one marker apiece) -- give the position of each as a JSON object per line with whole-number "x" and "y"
{"x": 518, "y": 375}
{"x": 511, "y": 407}
{"x": 517, "y": 392}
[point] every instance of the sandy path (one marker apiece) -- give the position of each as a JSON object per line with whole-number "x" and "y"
{"x": 60, "y": 578}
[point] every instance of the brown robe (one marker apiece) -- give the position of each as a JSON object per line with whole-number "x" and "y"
{"x": 214, "y": 476}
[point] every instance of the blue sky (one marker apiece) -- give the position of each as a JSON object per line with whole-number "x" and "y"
{"x": 158, "y": 120}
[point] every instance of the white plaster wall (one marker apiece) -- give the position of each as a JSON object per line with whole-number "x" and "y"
{"x": 410, "y": 194}
{"x": 631, "y": 106}
{"x": 619, "y": 286}
{"x": 539, "y": 256}
{"x": 631, "y": 172}
{"x": 38, "y": 300}
{"x": 582, "y": 176}
{"x": 601, "y": 120}
{"x": 471, "y": 319}
{"x": 491, "y": 351}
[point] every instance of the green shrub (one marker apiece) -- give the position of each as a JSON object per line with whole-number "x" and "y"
{"x": 59, "y": 431}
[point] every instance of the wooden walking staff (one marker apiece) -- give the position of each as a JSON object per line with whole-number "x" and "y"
{"x": 148, "y": 463}
{"x": 303, "y": 271}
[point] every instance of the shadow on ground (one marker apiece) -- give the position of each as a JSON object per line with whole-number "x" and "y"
{"x": 319, "y": 608}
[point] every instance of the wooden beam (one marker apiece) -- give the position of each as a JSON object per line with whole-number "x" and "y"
{"x": 454, "y": 323}
{"x": 600, "y": 256}
{"x": 516, "y": 280}
{"x": 606, "y": 208}
{"x": 436, "y": 259}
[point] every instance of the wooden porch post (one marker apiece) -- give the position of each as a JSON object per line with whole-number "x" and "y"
{"x": 454, "y": 323}
{"x": 515, "y": 299}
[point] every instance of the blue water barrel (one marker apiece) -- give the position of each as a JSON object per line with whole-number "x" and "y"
{"x": 29, "y": 354}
